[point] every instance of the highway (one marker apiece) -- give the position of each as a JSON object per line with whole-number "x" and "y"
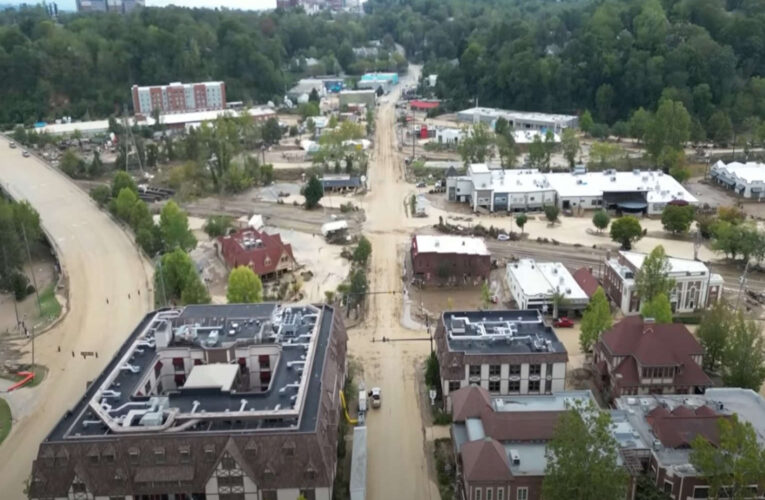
{"x": 100, "y": 262}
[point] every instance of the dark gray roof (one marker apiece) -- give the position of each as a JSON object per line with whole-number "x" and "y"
{"x": 351, "y": 182}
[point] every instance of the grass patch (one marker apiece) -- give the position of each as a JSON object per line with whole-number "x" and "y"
{"x": 5, "y": 419}
{"x": 688, "y": 319}
{"x": 40, "y": 373}
{"x": 49, "y": 306}
{"x": 445, "y": 468}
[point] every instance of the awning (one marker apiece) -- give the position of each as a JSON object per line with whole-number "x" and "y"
{"x": 423, "y": 104}
{"x": 632, "y": 206}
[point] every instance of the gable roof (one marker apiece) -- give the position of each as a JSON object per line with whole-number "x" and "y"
{"x": 659, "y": 344}
{"x": 263, "y": 259}
{"x": 678, "y": 428}
{"x": 586, "y": 281}
{"x": 469, "y": 402}
{"x": 485, "y": 460}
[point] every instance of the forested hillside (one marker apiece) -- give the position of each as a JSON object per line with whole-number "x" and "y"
{"x": 609, "y": 56}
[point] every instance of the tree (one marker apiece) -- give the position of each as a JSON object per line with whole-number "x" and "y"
{"x": 552, "y": 212}
{"x": 313, "y": 192}
{"x": 626, "y": 230}
{"x": 358, "y": 288}
{"x": 174, "y": 271}
{"x": 363, "y": 251}
{"x": 27, "y": 221}
{"x": 537, "y": 153}
{"x": 570, "y": 144}
{"x": 272, "y": 132}
{"x": 432, "y": 372}
{"x": 602, "y": 154}
{"x": 314, "y": 96}
{"x": 601, "y": 219}
{"x": 71, "y": 164}
{"x": 520, "y": 221}
{"x": 743, "y": 358}
{"x": 714, "y": 326}
{"x": 477, "y": 146}
{"x": 174, "y": 226}
{"x": 244, "y": 286}
{"x": 582, "y": 457}
{"x": 101, "y": 195}
{"x": 669, "y": 129}
{"x": 677, "y": 219}
{"x": 586, "y": 122}
{"x": 658, "y": 308}
{"x": 653, "y": 278}
{"x": 218, "y": 225}
{"x": 140, "y": 216}
{"x": 720, "y": 128}
{"x": 123, "y": 180}
{"x": 733, "y": 215}
{"x": 508, "y": 152}
{"x": 123, "y": 204}
{"x": 595, "y": 320}
{"x": 735, "y": 239}
{"x": 733, "y": 465}
{"x": 485, "y": 295}
{"x": 195, "y": 292}
{"x": 640, "y": 122}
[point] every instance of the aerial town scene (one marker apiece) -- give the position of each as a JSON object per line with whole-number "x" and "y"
{"x": 382, "y": 249}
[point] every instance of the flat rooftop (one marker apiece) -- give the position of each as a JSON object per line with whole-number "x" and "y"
{"x": 676, "y": 265}
{"x": 211, "y": 341}
{"x": 542, "y": 279}
{"x": 450, "y": 244}
{"x": 499, "y": 332}
{"x": 518, "y": 115}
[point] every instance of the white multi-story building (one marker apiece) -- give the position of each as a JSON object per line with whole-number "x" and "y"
{"x": 746, "y": 179}
{"x": 520, "y": 190}
{"x": 505, "y": 352}
{"x": 519, "y": 120}
{"x": 534, "y": 285}
{"x": 695, "y": 286}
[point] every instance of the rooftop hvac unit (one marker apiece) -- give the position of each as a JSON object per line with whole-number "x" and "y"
{"x": 613, "y": 178}
{"x": 515, "y": 457}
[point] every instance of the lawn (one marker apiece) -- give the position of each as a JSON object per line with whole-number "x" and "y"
{"x": 49, "y": 306}
{"x": 39, "y": 371}
{"x": 5, "y": 419}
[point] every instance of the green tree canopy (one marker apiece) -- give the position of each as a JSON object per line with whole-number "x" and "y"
{"x": 582, "y": 457}
{"x": 174, "y": 225}
{"x": 551, "y": 213}
{"x": 520, "y": 220}
{"x": 731, "y": 467}
{"x": 174, "y": 273}
{"x": 653, "y": 276}
{"x": 363, "y": 251}
{"x": 218, "y": 225}
{"x": 595, "y": 320}
{"x": 570, "y": 144}
{"x": 313, "y": 192}
{"x": 123, "y": 180}
{"x": 477, "y": 146}
{"x": 743, "y": 358}
{"x": 658, "y": 308}
{"x": 601, "y": 219}
{"x": 626, "y": 230}
{"x": 677, "y": 219}
{"x": 244, "y": 286}
{"x": 712, "y": 333}
{"x": 123, "y": 204}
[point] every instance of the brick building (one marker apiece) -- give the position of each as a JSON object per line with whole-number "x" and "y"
{"x": 449, "y": 259}
{"x": 695, "y": 286}
{"x": 638, "y": 356}
{"x": 505, "y": 352}
{"x": 213, "y": 402}
{"x": 266, "y": 254}
{"x": 179, "y": 97}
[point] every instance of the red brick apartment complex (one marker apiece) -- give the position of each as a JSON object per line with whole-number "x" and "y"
{"x": 449, "y": 259}
{"x": 179, "y": 97}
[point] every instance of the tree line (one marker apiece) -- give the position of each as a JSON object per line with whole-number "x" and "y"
{"x": 19, "y": 228}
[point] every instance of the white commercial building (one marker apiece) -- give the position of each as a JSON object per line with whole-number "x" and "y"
{"x": 449, "y": 135}
{"x": 521, "y": 190}
{"x": 519, "y": 120}
{"x": 535, "y": 284}
{"x": 746, "y": 179}
{"x": 695, "y": 286}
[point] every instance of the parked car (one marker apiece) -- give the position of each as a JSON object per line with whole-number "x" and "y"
{"x": 26, "y": 154}
{"x": 503, "y": 237}
{"x": 421, "y": 184}
{"x": 13, "y": 145}
{"x": 563, "y": 322}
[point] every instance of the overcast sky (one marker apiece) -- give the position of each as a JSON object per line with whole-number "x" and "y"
{"x": 232, "y": 4}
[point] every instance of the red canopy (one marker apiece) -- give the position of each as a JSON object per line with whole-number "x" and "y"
{"x": 423, "y": 104}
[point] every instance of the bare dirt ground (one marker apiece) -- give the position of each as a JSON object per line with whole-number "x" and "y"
{"x": 100, "y": 262}
{"x": 396, "y": 435}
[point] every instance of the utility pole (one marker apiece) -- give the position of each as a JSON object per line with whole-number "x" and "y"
{"x": 31, "y": 268}
{"x": 742, "y": 283}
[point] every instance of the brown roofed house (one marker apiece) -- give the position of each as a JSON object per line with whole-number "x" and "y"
{"x": 266, "y": 254}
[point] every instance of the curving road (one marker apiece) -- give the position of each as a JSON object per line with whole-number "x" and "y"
{"x": 100, "y": 262}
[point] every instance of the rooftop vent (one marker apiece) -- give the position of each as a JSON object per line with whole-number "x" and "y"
{"x": 515, "y": 457}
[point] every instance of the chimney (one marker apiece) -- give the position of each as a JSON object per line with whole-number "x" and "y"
{"x": 648, "y": 325}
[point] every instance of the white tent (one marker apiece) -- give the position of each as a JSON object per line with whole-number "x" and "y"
{"x": 256, "y": 222}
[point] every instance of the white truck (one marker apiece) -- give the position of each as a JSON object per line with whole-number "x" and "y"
{"x": 376, "y": 395}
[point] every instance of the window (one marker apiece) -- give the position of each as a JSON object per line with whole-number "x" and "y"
{"x": 477, "y": 493}
{"x": 494, "y": 370}
{"x": 549, "y": 370}
{"x": 533, "y": 385}
{"x": 489, "y": 493}
{"x": 523, "y": 494}
{"x": 475, "y": 370}
{"x": 159, "y": 455}
{"x": 454, "y": 385}
{"x": 184, "y": 452}
{"x": 515, "y": 369}
{"x": 701, "y": 492}
{"x": 501, "y": 493}
{"x": 514, "y": 386}
{"x": 668, "y": 486}
{"x": 535, "y": 369}
{"x": 494, "y": 386}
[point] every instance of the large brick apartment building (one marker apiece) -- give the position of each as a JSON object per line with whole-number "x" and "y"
{"x": 179, "y": 97}
{"x": 213, "y": 402}
{"x": 449, "y": 259}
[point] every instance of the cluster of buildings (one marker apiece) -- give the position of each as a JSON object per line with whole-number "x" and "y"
{"x": 521, "y": 190}
{"x": 519, "y": 120}
{"x": 302, "y": 90}
{"x": 374, "y": 81}
{"x": 210, "y": 401}
{"x": 745, "y": 179}
{"x": 178, "y": 97}
{"x": 120, "y": 6}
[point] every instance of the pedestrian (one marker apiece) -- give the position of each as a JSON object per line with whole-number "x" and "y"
{"x": 59, "y": 348}
{"x": 72, "y": 353}
{"x": 139, "y": 293}
{"x": 128, "y": 296}
{"x": 96, "y": 354}
{"x": 107, "y": 300}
